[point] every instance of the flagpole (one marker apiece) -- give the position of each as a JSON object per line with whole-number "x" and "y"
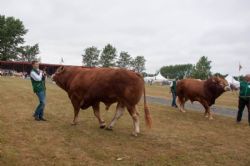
{"x": 239, "y": 71}
{"x": 62, "y": 61}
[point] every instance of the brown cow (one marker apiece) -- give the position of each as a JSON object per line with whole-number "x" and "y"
{"x": 89, "y": 86}
{"x": 203, "y": 91}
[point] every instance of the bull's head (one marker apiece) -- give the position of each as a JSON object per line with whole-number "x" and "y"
{"x": 220, "y": 83}
{"x": 57, "y": 76}
{"x": 57, "y": 73}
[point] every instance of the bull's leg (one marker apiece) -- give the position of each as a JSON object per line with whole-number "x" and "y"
{"x": 96, "y": 109}
{"x": 75, "y": 121}
{"x": 206, "y": 114}
{"x": 205, "y": 107}
{"x": 180, "y": 104}
{"x": 76, "y": 112}
{"x": 132, "y": 111}
{"x": 119, "y": 112}
{"x": 76, "y": 105}
{"x": 207, "y": 111}
{"x": 210, "y": 114}
{"x": 182, "y": 107}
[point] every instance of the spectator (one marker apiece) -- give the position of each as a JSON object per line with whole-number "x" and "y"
{"x": 244, "y": 98}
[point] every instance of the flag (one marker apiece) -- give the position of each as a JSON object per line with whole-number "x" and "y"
{"x": 62, "y": 60}
{"x": 240, "y": 67}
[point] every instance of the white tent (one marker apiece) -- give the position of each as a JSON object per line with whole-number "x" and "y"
{"x": 159, "y": 78}
{"x": 232, "y": 81}
{"x": 149, "y": 79}
{"x": 156, "y": 79}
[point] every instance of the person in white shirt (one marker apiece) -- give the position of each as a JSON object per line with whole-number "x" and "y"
{"x": 38, "y": 83}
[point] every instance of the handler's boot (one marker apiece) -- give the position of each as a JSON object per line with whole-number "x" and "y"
{"x": 37, "y": 118}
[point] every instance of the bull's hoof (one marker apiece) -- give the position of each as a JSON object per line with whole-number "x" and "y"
{"x": 102, "y": 126}
{"x": 211, "y": 118}
{"x": 134, "y": 134}
{"x": 74, "y": 123}
{"x": 109, "y": 128}
{"x": 183, "y": 111}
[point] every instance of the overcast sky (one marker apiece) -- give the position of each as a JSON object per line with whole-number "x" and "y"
{"x": 165, "y": 32}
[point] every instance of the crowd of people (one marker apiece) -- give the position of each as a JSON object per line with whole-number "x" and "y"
{"x": 4, "y": 72}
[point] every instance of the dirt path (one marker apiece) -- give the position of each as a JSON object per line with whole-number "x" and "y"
{"x": 230, "y": 112}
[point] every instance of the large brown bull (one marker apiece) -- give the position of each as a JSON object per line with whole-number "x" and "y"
{"x": 87, "y": 87}
{"x": 203, "y": 91}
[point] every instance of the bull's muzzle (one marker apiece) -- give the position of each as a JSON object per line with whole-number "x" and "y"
{"x": 227, "y": 88}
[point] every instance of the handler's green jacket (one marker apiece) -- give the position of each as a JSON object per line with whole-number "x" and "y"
{"x": 244, "y": 89}
{"x": 37, "y": 80}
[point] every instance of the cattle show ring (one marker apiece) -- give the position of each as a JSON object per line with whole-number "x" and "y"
{"x": 124, "y": 83}
{"x": 108, "y": 106}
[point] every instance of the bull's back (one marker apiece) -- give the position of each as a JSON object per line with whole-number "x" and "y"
{"x": 121, "y": 83}
{"x": 190, "y": 88}
{"x": 107, "y": 84}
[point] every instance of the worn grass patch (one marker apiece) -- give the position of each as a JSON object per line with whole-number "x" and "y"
{"x": 175, "y": 139}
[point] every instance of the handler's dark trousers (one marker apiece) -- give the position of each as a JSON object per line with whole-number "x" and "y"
{"x": 242, "y": 103}
{"x": 40, "y": 108}
{"x": 173, "y": 99}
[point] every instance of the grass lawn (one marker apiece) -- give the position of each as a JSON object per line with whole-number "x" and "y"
{"x": 175, "y": 139}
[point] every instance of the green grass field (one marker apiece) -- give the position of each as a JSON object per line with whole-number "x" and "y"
{"x": 175, "y": 139}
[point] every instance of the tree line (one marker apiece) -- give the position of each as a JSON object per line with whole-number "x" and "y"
{"x": 108, "y": 57}
{"x": 201, "y": 70}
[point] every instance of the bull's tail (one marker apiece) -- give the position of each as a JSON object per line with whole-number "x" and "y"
{"x": 146, "y": 111}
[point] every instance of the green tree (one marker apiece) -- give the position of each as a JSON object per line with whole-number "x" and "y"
{"x": 202, "y": 69}
{"x": 90, "y": 56}
{"x": 11, "y": 35}
{"x": 28, "y": 53}
{"x": 124, "y": 60}
{"x": 108, "y": 56}
{"x": 138, "y": 64}
{"x": 176, "y": 71}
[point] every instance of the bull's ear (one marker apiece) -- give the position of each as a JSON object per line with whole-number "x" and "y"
{"x": 60, "y": 69}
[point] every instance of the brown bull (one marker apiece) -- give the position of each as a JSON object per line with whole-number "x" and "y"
{"x": 203, "y": 91}
{"x": 87, "y": 87}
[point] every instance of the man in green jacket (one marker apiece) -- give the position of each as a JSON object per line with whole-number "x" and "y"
{"x": 38, "y": 83}
{"x": 244, "y": 98}
{"x": 173, "y": 91}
